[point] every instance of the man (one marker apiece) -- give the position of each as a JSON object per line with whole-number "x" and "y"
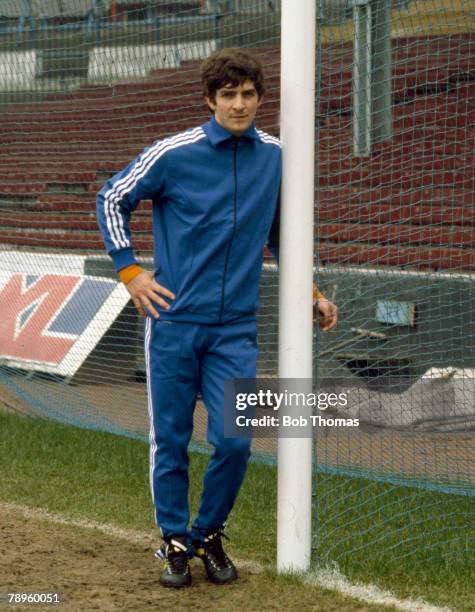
{"x": 215, "y": 190}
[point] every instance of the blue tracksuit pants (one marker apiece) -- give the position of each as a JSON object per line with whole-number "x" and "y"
{"x": 182, "y": 360}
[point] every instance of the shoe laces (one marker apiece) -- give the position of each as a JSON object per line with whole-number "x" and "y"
{"x": 177, "y": 557}
{"x": 214, "y": 548}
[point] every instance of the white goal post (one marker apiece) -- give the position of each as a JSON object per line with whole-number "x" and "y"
{"x": 296, "y": 270}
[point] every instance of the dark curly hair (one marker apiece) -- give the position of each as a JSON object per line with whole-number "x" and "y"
{"x": 231, "y": 67}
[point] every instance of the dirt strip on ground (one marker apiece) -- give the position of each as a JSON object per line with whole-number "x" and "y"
{"x": 94, "y": 571}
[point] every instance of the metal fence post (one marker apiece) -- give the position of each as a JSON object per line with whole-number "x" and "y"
{"x": 381, "y": 77}
{"x": 362, "y": 78}
{"x": 157, "y": 29}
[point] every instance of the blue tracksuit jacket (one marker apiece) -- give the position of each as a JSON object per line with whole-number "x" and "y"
{"x": 214, "y": 201}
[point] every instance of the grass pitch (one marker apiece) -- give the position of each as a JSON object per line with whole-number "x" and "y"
{"x": 413, "y": 542}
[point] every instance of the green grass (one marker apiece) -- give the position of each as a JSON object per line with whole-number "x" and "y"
{"x": 414, "y": 542}
{"x": 418, "y": 543}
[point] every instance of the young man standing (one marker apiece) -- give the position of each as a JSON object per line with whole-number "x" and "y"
{"x": 215, "y": 190}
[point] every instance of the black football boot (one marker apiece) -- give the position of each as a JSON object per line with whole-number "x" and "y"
{"x": 219, "y": 567}
{"x": 176, "y": 572}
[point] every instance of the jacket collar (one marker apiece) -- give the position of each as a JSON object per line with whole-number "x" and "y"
{"x": 218, "y": 134}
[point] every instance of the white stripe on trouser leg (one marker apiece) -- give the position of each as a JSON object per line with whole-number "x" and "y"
{"x": 153, "y": 444}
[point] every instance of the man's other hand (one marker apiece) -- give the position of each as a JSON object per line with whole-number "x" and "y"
{"x": 327, "y": 314}
{"x": 144, "y": 292}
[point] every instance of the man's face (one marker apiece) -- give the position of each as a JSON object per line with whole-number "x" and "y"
{"x": 235, "y": 106}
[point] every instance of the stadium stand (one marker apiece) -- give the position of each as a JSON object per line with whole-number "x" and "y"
{"x": 411, "y": 204}
{"x": 50, "y": 9}
{"x": 26, "y": 14}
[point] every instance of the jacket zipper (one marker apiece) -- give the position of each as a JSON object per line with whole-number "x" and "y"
{"x": 226, "y": 261}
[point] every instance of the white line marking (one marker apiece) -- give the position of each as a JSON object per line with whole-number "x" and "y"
{"x": 326, "y": 578}
{"x": 129, "y": 535}
{"x": 370, "y": 593}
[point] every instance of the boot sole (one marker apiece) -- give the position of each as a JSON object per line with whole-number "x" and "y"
{"x": 175, "y": 586}
{"x": 222, "y": 582}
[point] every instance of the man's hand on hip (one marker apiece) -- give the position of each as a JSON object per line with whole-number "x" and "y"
{"x": 144, "y": 292}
